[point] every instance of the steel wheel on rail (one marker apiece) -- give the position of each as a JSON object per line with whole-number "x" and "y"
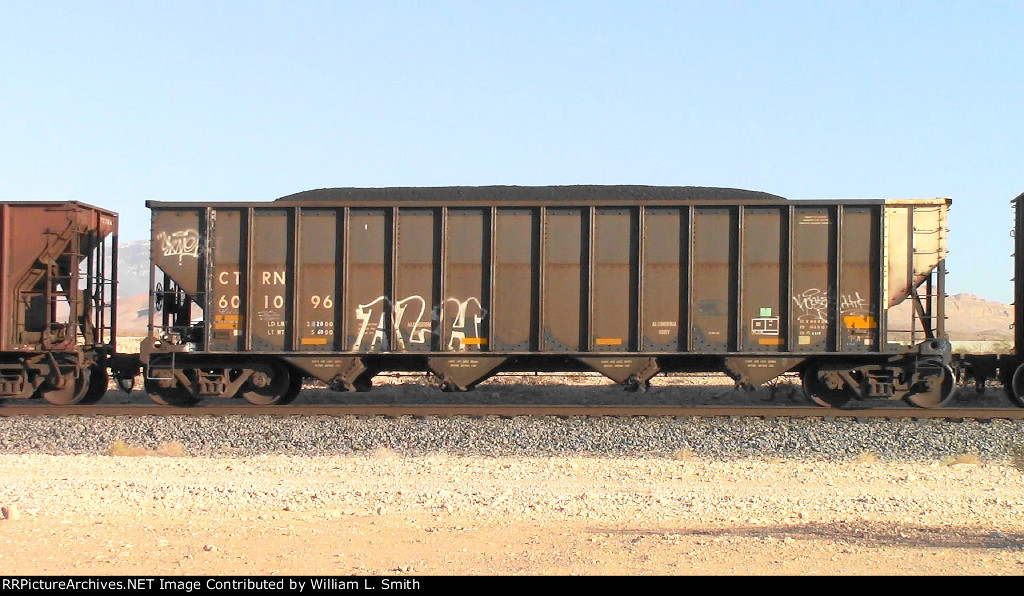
{"x": 168, "y": 392}
{"x": 1015, "y": 388}
{"x": 940, "y": 390}
{"x": 98, "y": 380}
{"x": 272, "y": 383}
{"x": 73, "y": 391}
{"x": 827, "y": 390}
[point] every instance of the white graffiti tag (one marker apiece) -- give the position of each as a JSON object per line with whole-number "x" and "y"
{"x": 460, "y": 322}
{"x": 372, "y": 319}
{"x": 418, "y": 332}
{"x": 812, "y": 304}
{"x": 184, "y": 243}
{"x": 365, "y": 314}
{"x": 852, "y": 303}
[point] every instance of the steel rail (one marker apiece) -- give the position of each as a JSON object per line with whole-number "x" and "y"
{"x": 482, "y": 411}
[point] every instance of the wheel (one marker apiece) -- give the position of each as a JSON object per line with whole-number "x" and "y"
{"x": 274, "y": 385}
{"x": 293, "y": 389}
{"x": 817, "y": 388}
{"x": 73, "y": 391}
{"x": 98, "y": 380}
{"x": 1015, "y": 389}
{"x": 175, "y": 395}
{"x": 940, "y": 391}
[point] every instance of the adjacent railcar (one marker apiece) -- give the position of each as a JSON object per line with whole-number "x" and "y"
{"x": 1007, "y": 368}
{"x": 58, "y": 300}
{"x": 464, "y": 282}
{"x": 1012, "y": 366}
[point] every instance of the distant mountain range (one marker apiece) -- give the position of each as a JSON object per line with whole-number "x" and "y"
{"x": 133, "y": 268}
{"x": 969, "y": 318}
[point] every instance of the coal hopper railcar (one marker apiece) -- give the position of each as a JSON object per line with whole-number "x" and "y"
{"x": 465, "y": 282}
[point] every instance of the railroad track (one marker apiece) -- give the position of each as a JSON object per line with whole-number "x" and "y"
{"x": 480, "y": 411}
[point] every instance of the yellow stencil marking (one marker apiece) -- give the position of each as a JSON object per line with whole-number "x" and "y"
{"x": 227, "y": 321}
{"x": 859, "y": 322}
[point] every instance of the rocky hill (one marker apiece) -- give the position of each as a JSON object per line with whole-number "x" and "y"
{"x": 968, "y": 318}
{"x": 133, "y": 268}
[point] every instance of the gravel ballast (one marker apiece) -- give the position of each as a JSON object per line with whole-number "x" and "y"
{"x": 355, "y": 495}
{"x": 715, "y": 438}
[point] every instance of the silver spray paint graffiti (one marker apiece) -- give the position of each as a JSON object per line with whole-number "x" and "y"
{"x": 813, "y": 304}
{"x": 465, "y": 309}
{"x": 813, "y": 307}
{"x": 183, "y": 243}
{"x": 412, "y": 328}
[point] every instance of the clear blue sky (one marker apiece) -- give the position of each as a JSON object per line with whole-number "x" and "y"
{"x": 114, "y": 103}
